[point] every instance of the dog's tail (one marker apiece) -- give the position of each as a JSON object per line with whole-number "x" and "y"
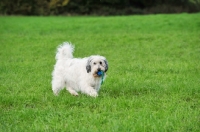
{"x": 65, "y": 51}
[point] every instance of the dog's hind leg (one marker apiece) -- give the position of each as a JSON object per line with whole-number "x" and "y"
{"x": 57, "y": 85}
{"x": 56, "y": 90}
{"x": 72, "y": 91}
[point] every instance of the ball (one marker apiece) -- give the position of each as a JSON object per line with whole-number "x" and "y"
{"x": 99, "y": 73}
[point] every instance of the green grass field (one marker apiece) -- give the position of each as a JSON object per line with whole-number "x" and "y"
{"x": 153, "y": 81}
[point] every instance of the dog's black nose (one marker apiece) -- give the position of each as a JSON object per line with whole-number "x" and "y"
{"x": 99, "y": 69}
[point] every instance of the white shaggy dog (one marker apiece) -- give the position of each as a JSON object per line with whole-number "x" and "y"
{"x": 76, "y": 74}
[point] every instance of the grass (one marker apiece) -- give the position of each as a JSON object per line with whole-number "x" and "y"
{"x": 153, "y": 81}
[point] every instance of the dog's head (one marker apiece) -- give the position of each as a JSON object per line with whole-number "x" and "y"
{"x": 96, "y": 63}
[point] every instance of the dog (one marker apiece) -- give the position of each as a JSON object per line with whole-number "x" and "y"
{"x": 83, "y": 75}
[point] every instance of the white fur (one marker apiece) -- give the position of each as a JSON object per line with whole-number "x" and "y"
{"x": 77, "y": 74}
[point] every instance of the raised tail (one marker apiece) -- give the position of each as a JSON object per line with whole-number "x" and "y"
{"x": 65, "y": 51}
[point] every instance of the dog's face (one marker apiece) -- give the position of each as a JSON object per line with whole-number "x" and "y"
{"x": 95, "y": 64}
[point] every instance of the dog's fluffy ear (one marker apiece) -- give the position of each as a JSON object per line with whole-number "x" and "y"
{"x": 106, "y": 65}
{"x": 88, "y": 66}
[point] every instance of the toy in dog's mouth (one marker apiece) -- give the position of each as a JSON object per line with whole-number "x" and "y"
{"x": 99, "y": 73}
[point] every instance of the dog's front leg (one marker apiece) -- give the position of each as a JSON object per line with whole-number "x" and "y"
{"x": 91, "y": 91}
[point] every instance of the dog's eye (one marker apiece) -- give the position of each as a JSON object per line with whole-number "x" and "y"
{"x": 94, "y": 63}
{"x": 100, "y": 63}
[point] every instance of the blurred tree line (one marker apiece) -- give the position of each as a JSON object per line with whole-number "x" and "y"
{"x": 96, "y": 7}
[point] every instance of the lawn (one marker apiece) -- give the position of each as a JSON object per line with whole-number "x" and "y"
{"x": 153, "y": 81}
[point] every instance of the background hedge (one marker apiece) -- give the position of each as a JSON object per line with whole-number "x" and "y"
{"x": 96, "y": 7}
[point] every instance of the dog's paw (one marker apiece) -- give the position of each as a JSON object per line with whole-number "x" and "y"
{"x": 93, "y": 93}
{"x": 56, "y": 92}
{"x": 72, "y": 92}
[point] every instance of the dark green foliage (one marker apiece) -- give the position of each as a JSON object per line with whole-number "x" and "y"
{"x": 32, "y": 7}
{"x": 96, "y": 7}
{"x": 126, "y": 7}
